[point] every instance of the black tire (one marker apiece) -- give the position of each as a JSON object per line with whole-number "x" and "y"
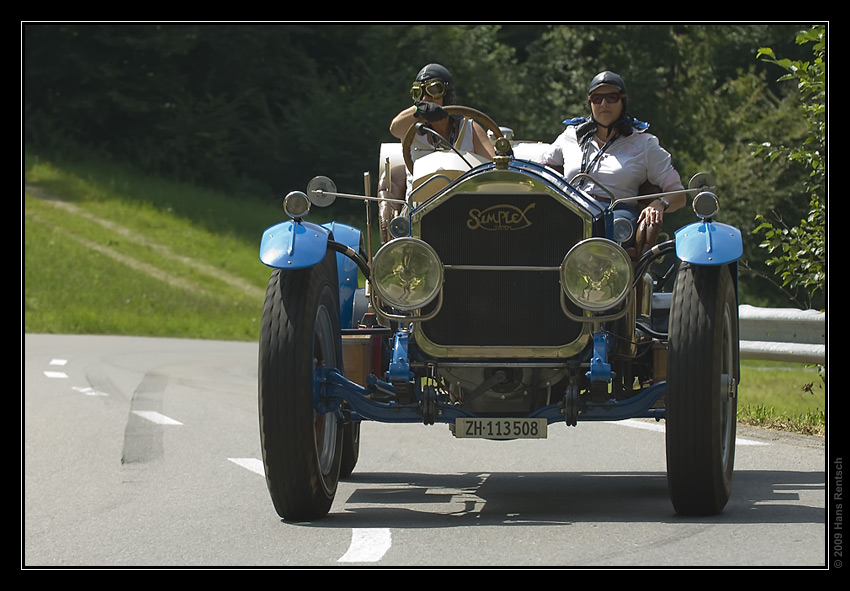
{"x": 702, "y": 378}
{"x": 350, "y": 448}
{"x": 301, "y": 448}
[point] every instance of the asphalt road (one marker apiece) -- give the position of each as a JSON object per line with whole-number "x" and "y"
{"x": 145, "y": 453}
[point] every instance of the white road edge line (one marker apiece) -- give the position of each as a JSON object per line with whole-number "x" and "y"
{"x": 156, "y": 417}
{"x": 367, "y": 545}
{"x": 660, "y": 428}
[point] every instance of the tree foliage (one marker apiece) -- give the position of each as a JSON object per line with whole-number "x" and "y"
{"x": 799, "y": 252}
{"x": 267, "y": 106}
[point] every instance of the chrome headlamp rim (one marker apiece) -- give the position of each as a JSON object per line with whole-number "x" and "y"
{"x": 433, "y": 266}
{"x": 296, "y": 205}
{"x": 607, "y": 251}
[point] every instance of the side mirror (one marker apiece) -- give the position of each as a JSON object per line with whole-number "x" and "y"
{"x": 702, "y": 180}
{"x": 321, "y": 191}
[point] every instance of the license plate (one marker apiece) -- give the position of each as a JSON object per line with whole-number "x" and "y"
{"x": 500, "y": 428}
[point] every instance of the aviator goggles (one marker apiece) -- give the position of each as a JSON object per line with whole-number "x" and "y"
{"x": 608, "y": 97}
{"x": 434, "y": 88}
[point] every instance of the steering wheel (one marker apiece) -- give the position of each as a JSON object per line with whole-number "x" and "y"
{"x": 467, "y": 112}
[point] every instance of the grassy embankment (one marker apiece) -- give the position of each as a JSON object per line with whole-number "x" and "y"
{"x": 109, "y": 251}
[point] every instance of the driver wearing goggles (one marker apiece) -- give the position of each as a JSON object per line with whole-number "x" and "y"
{"x": 432, "y": 89}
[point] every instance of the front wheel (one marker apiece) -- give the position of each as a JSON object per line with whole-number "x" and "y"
{"x": 301, "y": 447}
{"x": 702, "y": 378}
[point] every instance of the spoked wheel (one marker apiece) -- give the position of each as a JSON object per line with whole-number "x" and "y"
{"x": 702, "y": 378}
{"x": 301, "y": 447}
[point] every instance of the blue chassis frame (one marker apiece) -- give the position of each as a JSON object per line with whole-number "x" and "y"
{"x": 331, "y": 388}
{"x": 705, "y": 243}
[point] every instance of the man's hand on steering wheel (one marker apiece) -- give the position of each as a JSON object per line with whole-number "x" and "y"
{"x": 429, "y": 111}
{"x": 467, "y": 112}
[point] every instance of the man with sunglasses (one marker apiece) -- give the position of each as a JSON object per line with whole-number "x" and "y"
{"x": 615, "y": 149}
{"x": 432, "y": 89}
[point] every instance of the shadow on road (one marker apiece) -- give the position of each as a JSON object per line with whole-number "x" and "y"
{"x": 451, "y": 500}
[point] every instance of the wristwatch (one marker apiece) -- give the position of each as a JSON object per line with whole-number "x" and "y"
{"x": 665, "y": 202}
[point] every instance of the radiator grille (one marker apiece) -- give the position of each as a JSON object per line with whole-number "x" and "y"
{"x": 501, "y": 308}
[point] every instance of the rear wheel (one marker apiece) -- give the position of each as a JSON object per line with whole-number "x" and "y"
{"x": 350, "y": 448}
{"x": 702, "y": 377}
{"x": 301, "y": 447}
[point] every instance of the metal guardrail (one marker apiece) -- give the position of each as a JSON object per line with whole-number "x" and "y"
{"x": 783, "y": 334}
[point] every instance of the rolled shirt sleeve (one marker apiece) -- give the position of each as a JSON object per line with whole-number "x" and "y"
{"x": 659, "y": 167}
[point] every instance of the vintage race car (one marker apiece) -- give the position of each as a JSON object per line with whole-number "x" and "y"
{"x": 503, "y": 305}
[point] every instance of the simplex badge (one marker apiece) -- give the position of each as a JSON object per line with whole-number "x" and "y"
{"x": 499, "y": 217}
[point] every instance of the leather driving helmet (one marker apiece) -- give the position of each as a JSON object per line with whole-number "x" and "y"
{"x": 434, "y": 71}
{"x": 607, "y": 78}
{"x": 435, "y": 75}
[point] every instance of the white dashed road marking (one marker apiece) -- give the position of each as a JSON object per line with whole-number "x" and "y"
{"x": 367, "y": 545}
{"x": 252, "y": 464}
{"x": 156, "y": 417}
{"x": 89, "y": 391}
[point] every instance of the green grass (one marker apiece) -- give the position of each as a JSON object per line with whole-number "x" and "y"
{"x": 785, "y": 396}
{"x": 110, "y": 251}
{"x": 106, "y": 260}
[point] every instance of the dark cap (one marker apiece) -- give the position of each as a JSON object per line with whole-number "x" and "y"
{"x": 434, "y": 71}
{"x": 607, "y": 78}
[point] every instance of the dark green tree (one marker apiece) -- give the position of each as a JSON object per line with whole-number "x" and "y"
{"x": 798, "y": 252}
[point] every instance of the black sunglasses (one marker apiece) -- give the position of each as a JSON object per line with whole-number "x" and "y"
{"x": 608, "y": 97}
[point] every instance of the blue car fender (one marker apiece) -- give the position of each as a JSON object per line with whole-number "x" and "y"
{"x": 709, "y": 243}
{"x": 294, "y": 244}
{"x": 298, "y": 244}
{"x": 346, "y": 270}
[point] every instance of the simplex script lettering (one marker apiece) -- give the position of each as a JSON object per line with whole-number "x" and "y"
{"x": 499, "y": 217}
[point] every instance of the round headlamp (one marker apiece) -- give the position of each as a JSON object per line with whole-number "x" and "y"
{"x": 407, "y": 273}
{"x": 596, "y": 274}
{"x": 296, "y": 205}
{"x": 623, "y": 230}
